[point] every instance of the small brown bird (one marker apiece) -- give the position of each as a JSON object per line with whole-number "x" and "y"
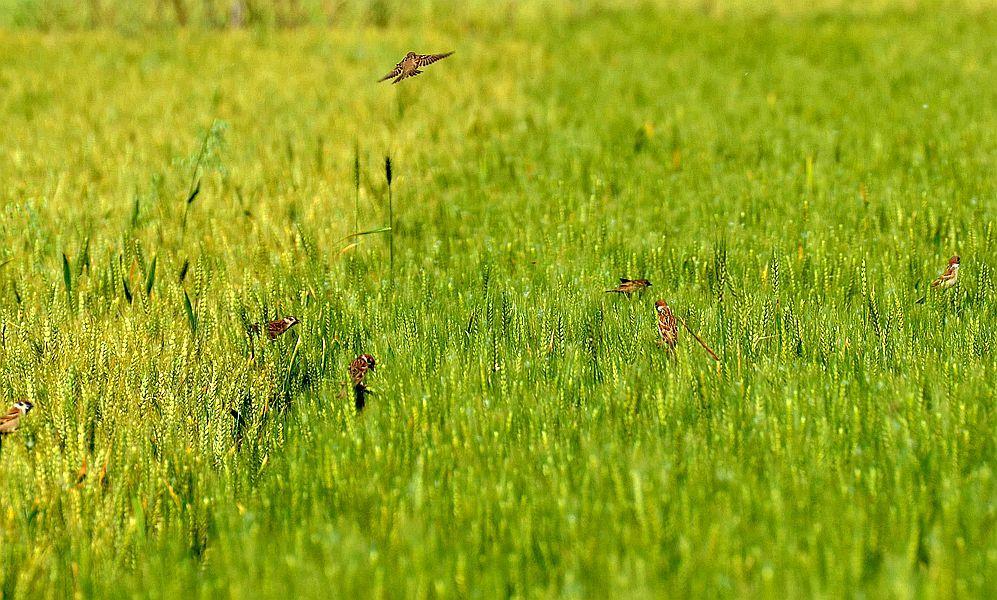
{"x": 10, "y": 421}
{"x": 950, "y": 276}
{"x": 668, "y": 326}
{"x": 409, "y": 66}
{"x": 947, "y": 279}
{"x": 629, "y": 286}
{"x": 280, "y": 326}
{"x": 359, "y": 368}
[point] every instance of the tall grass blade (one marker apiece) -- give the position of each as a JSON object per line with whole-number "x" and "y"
{"x": 151, "y": 279}
{"x": 67, "y": 279}
{"x": 191, "y": 317}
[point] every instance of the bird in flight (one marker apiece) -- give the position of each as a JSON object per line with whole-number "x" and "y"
{"x": 410, "y": 65}
{"x": 629, "y": 286}
{"x": 11, "y": 420}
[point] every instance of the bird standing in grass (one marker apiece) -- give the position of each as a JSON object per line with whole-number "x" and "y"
{"x": 410, "y": 65}
{"x": 948, "y": 278}
{"x": 358, "y": 372}
{"x": 11, "y": 420}
{"x": 668, "y": 326}
{"x": 629, "y": 286}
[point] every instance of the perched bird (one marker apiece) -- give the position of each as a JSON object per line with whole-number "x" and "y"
{"x": 668, "y": 326}
{"x": 280, "y": 326}
{"x": 629, "y": 286}
{"x": 10, "y": 421}
{"x": 409, "y": 66}
{"x": 948, "y": 278}
{"x": 358, "y": 370}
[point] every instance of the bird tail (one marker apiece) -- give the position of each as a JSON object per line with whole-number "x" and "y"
{"x": 360, "y": 393}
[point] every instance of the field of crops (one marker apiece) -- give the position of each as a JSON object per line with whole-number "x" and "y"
{"x": 790, "y": 182}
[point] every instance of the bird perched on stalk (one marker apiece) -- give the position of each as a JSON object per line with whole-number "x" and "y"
{"x": 358, "y": 373}
{"x": 11, "y": 420}
{"x": 948, "y": 278}
{"x": 630, "y": 286}
{"x": 668, "y": 329}
{"x": 668, "y": 326}
{"x": 410, "y": 65}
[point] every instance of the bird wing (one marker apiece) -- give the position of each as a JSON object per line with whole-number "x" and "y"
{"x": 422, "y": 60}
{"x": 10, "y": 420}
{"x": 276, "y": 328}
{"x": 946, "y": 276}
{"x": 13, "y": 413}
{"x": 394, "y": 73}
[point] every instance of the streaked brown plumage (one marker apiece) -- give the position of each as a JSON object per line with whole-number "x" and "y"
{"x": 11, "y": 420}
{"x": 668, "y": 326}
{"x": 950, "y": 276}
{"x": 409, "y": 66}
{"x": 360, "y": 366}
{"x": 280, "y": 326}
{"x": 629, "y": 286}
{"x": 358, "y": 371}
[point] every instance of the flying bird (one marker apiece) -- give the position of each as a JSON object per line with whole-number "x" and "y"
{"x": 11, "y": 420}
{"x": 668, "y": 326}
{"x": 410, "y": 65}
{"x": 281, "y": 326}
{"x": 629, "y": 286}
{"x": 948, "y": 278}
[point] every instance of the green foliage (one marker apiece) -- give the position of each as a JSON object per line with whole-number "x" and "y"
{"x": 795, "y": 184}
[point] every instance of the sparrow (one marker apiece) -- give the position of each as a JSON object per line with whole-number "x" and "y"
{"x": 950, "y": 276}
{"x": 629, "y": 286}
{"x": 668, "y": 326}
{"x": 280, "y": 326}
{"x": 359, "y": 368}
{"x": 10, "y": 421}
{"x": 409, "y": 66}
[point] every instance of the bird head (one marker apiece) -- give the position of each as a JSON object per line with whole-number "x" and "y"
{"x": 644, "y": 282}
{"x": 293, "y": 321}
{"x": 24, "y": 405}
{"x": 954, "y": 261}
{"x": 661, "y": 306}
{"x": 410, "y": 54}
{"x": 367, "y": 358}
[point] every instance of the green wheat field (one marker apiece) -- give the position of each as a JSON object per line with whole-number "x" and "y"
{"x": 790, "y": 176}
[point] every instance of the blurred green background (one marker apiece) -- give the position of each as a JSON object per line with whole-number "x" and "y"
{"x": 789, "y": 175}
